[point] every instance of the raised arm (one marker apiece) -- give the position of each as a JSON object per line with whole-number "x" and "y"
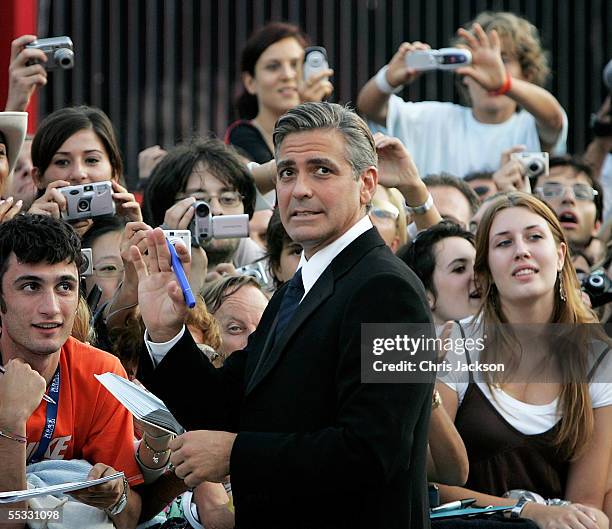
{"x": 397, "y": 169}
{"x": 24, "y": 78}
{"x": 373, "y": 98}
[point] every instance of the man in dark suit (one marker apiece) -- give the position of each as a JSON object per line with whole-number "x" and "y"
{"x": 307, "y": 444}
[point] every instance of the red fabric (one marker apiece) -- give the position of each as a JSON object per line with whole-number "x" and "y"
{"x": 19, "y": 17}
{"x": 91, "y": 424}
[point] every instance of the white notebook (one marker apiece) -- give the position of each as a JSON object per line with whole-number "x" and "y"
{"x": 142, "y": 404}
{"x": 13, "y": 496}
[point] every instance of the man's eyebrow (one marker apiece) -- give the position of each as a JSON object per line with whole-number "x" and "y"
{"x": 284, "y": 164}
{"x": 28, "y": 278}
{"x": 65, "y": 277}
{"x": 321, "y": 161}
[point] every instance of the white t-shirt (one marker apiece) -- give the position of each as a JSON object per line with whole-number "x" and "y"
{"x": 529, "y": 419}
{"x": 447, "y": 137}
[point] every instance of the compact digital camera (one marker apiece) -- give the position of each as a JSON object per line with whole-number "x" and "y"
{"x": 183, "y": 236}
{"x": 442, "y": 59}
{"x": 259, "y": 272}
{"x": 86, "y": 269}
{"x": 86, "y": 201}
{"x": 315, "y": 61}
{"x": 534, "y": 163}
{"x": 59, "y": 52}
{"x": 598, "y": 287}
{"x": 205, "y": 226}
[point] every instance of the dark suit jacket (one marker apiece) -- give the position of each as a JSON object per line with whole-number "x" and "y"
{"x": 316, "y": 447}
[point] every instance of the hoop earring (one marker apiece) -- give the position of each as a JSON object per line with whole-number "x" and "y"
{"x": 562, "y": 292}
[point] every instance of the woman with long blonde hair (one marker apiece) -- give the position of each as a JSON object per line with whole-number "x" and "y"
{"x": 553, "y": 438}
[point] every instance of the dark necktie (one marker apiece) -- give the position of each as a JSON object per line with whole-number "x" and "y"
{"x": 290, "y": 302}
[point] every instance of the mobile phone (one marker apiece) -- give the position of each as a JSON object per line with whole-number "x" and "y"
{"x": 315, "y": 61}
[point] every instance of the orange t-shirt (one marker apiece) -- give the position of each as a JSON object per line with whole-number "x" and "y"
{"x": 91, "y": 424}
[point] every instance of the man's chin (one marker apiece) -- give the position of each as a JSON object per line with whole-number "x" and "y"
{"x": 221, "y": 251}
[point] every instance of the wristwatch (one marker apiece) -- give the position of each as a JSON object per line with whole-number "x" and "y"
{"x": 423, "y": 208}
{"x": 114, "y": 510}
{"x": 518, "y": 508}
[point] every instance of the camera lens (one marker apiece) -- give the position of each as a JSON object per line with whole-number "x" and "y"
{"x": 202, "y": 210}
{"x": 64, "y": 58}
{"x": 84, "y": 263}
{"x": 596, "y": 281}
{"x": 83, "y": 205}
{"x": 535, "y": 167}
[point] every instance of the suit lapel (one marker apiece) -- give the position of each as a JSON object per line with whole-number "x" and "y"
{"x": 321, "y": 290}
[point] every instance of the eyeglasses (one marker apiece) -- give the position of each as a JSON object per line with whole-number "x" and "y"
{"x": 556, "y": 190}
{"x": 108, "y": 271}
{"x": 227, "y": 199}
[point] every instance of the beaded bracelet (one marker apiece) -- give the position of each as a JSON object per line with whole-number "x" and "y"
{"x": 14, "y": 437}
{"x": 156, "y": 453}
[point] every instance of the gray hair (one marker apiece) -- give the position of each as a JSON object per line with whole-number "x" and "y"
{"x": 360, "y": 147}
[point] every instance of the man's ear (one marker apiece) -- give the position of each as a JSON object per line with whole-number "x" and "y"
{"x": 250, "y": 85}
{"x": 369, "y": 180}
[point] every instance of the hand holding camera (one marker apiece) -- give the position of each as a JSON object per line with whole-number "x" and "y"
{"x": 315, "y": 85}
{"x": 125, "y": 202}
{"x": 487, "y": 67}
{"x": 26, "y": 72}
{"x": 511, "y": 174}
{"x": 398, "y": 72}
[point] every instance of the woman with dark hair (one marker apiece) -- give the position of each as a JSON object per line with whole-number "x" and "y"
{"x": 72, "y": 146}
{"x": 443, "y": 258}
{"x": 544, "y": 423}
{"x": 271, "y": 66}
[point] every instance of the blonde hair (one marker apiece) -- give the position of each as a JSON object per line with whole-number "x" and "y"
{"x": 574, "y": 400}
{"x": 396, "y": 198}
{"x": 81, "y": 328}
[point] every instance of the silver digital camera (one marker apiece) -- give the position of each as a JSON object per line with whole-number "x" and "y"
{"x": 86, "y": 201}
{"x": 183, "y": 236}
{"x": 205, "y": 226}
{"x": 535, "y": 164}
{"x": 259, "y": 272}
{"x": 86, "y": 269}
{"x": 59, "y": 52}
{"x": 442, "y": 59}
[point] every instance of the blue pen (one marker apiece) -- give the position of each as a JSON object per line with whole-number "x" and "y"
{"x": 180, "y": 276}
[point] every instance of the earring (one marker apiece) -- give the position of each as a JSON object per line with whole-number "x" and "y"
{"x": 562, "y": 293}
